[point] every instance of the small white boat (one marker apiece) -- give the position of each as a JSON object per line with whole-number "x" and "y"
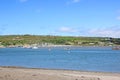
{"x": 34, "y": 47}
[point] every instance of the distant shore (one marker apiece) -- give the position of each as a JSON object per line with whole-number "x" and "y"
{"x": 50, "y": 46}
{"x": 20, "y": 73}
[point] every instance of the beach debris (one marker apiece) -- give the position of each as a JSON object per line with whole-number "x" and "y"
{"x": 34, "y": 75}
{"x": 88, "y": 78}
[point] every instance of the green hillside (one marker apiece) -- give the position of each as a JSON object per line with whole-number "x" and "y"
{"x": 18, "y": 40}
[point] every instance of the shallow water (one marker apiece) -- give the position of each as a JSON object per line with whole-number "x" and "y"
{"x": 102, "y": 59}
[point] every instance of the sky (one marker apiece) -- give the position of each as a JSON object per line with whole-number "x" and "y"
{"x": 93, "y": 18}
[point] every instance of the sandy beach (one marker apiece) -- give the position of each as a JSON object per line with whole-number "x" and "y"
{"x": 18, "y": 73}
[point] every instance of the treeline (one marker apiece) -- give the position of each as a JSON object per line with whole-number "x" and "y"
{"x": 7, "y": 40}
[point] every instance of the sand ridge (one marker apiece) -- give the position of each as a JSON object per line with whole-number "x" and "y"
{"x": 19, "y": 73}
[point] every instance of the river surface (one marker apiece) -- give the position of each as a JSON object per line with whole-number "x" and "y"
{"x": 102, "y": 59}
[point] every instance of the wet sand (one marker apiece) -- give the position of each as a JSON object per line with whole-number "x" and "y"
{"x": 19, "y": 73}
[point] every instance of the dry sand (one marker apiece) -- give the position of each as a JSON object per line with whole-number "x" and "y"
{"x": 17, "y": 73}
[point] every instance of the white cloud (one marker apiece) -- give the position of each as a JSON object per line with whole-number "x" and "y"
{"x": 106, "y": 32}
{"x": 67, "y": 30}
{"x": 113, "y": 31}
{"x": 118, "y": 11}
{"x": 73, "y": 1}
{"x": 118, "y": 18}
{"x": 22, "y": 1}
{"x": 76, "y": 1}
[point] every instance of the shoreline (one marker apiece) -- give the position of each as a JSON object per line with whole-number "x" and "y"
{"x": 55, "y": 46}
{"x": 24, "y": 73}
{"x": 21, "y": 67}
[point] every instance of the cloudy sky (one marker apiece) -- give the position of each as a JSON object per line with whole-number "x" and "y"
{"x": 100, "y": 18}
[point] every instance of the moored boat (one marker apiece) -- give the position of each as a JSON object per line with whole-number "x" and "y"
{"x": 34, "y": 47}
{"x": 116, "y": 48}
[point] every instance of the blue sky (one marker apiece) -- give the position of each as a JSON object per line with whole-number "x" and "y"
{"x": 100, "y": 18}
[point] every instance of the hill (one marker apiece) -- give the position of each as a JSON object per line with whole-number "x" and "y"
{"x": 20, "y": 40}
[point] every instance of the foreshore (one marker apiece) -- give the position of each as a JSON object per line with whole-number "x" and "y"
{"x": 20, "y": 73}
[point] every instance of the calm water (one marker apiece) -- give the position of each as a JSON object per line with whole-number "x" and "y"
{"x": 86, "y": 58}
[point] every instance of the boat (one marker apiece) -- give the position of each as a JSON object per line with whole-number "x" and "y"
{"x": 34, "y": 47}
{"x": 116, "y": 48}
